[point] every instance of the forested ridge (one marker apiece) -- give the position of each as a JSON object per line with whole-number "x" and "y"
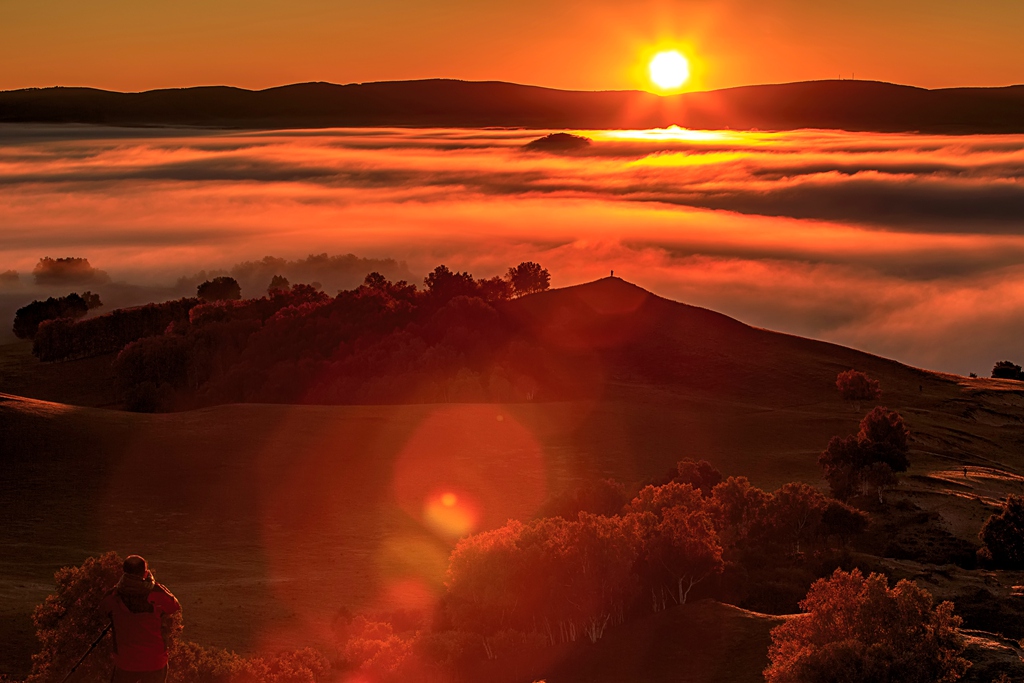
{"x": 382, "y": 342}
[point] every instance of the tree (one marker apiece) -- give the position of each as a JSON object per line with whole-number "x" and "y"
{"x": 91, "y": 300}
{"x": 701, "y": 475}
{"x": 528, "y": 278}
{"x": 657, "y": 499}
{"x": 841, "y": 463}
{"x": 598, "y": 554}
{"x": 677, "y": 552}
{"x": 220, "y": 289}
{"x": 63, "y": 338}
{"x": 398, "y": 291}
{"x": 885, "y": 436}
{"x": 495, "y": 289}
{"x": 734, "y": 506}
{"x": 858, "y": 629}
{"x": 790, "y": 517}
{"x": 569, "y": 578}
{"x": 849, "y": 463}
{"x": 1006, "y": 369}
{"x": 444, "y": 284}
{"x": 279, "y": 284}
{"x": 878, "y": 476}
{"x": 856, "y": 386}
{"x": 1003, "y": 534}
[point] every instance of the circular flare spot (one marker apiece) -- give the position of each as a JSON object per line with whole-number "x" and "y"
{"x": 462, "y": 471}
{"x": 450, "y": 516}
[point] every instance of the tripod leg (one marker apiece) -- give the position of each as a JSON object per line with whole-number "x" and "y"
{"x": 87, "y": 653}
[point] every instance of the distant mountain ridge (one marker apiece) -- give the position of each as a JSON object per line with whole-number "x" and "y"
{"x": 845, "y": 105}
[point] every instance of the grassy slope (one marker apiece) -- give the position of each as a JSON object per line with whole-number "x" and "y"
{"x": 267, "y": 519}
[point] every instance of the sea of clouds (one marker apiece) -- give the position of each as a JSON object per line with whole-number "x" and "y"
{"x": 909, "y": 246}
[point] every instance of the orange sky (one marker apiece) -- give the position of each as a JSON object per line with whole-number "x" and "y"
{"x": 597, "y": 44}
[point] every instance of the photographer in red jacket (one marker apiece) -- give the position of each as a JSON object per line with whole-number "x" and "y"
{"x": 137, "y": 607}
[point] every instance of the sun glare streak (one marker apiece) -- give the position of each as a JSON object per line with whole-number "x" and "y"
{"x": 671, "y": 134}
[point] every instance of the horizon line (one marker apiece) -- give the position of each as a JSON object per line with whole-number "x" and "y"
{"x": 513, "y": 83}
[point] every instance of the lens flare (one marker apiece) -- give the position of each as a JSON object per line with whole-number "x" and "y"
{"x": 462, "y": 470}
{"x": 450, "y": 515}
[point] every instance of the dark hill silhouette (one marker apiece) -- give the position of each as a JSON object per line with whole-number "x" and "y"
{"x": 558, "y": 143}
{"x": 643, "y": 338}
{"x": 849, "y": 105}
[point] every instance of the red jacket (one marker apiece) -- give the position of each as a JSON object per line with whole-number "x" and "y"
{"x": 138, "y": 637}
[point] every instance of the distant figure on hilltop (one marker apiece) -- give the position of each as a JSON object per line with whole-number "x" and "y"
{"x": 137, "y": 607}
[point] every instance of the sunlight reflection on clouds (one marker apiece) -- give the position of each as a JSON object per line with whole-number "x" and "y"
{"x": 843, "y": 236}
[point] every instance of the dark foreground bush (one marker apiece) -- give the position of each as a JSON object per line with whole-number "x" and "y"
{"x": 858, "y": 629}
{"x": 67, "y": 622}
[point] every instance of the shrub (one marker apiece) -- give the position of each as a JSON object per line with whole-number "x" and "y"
{"x": 1005, "y": 369}
{"x": 856, "y": 386}
{"x": 858, "y": 629}
{"x": 67, "y": 621}
{"x": 1003, "y": 534}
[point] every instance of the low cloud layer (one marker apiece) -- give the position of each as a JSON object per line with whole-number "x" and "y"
{"x": 909, "y": 246}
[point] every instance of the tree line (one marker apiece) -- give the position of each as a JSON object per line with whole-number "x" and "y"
{"x": 381, "y": 342}
{"x": 27, "y": 319}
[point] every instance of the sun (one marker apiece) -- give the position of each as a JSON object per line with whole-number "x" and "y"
{"x": 669, "y": 69}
